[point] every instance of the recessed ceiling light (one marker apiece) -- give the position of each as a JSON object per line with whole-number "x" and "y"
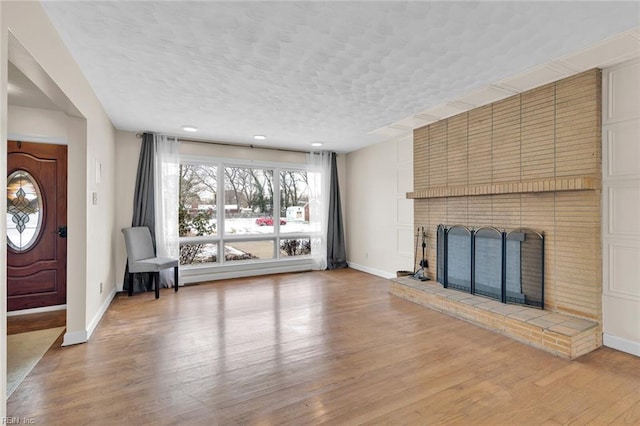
{"x": 259, "y": 137}
{"x": 316, "y": 143}
{"x": 190, "y": 128}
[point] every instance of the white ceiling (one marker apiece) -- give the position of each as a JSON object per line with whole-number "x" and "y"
{"x": 299, "y": 72}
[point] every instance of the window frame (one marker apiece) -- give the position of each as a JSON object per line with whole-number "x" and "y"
{"x": 238, "y": 268}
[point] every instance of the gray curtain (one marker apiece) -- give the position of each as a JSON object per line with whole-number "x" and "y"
{"x": 143, "y": 204}
{"x": 336, "y": 252}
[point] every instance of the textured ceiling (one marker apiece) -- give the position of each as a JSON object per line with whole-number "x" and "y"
{"x": 300, "y": 72}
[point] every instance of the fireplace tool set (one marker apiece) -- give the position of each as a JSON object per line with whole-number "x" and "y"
{"x": 420, "y": 274}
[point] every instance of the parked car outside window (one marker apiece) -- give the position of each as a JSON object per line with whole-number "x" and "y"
{"x": 268, "y": 221}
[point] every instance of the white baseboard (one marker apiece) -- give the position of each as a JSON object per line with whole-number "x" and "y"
{"x": 77, "y": 337}
{"x": 36, "y": 310}
{"x": 621, "y": 344}
{"x": 372, "y": 271}
{"x": 74, "y": 338}
{"x": 103, "y": 308}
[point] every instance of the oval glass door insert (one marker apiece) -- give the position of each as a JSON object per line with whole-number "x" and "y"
{"x": 24, "y": 211}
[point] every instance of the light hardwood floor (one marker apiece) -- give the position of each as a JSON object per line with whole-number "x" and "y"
{"x": 321, "y": 347}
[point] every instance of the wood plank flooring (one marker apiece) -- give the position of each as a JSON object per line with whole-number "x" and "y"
{"x": 310, "y": 348}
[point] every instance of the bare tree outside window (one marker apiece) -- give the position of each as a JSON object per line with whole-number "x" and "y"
{"x": 196, "y": 208}
{"x": 248, "y": 195}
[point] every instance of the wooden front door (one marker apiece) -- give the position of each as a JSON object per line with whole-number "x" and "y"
{"x": 36, "y": 225}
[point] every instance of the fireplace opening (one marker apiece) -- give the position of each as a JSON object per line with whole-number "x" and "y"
{"x": 504, "y": 265}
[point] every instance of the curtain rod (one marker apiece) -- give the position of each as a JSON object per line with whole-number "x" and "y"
{"x": 235, "y": 145}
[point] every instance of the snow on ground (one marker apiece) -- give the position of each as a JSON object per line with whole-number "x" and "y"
{"x": 247, "y": 226}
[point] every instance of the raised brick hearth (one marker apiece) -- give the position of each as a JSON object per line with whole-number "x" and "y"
{"x": 562, "y": 335}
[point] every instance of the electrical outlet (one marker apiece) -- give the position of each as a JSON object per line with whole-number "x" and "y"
{"x": 100, "y": 287}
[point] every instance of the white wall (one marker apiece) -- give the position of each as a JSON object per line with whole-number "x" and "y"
{"x": 379, "y": 217}
{"x": 621, "y": 206}
{"x": 90, "y": 138}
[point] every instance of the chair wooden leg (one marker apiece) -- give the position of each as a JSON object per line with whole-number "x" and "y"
{"x": 175, "y": 278}
{"x": 156, "y": 278}
{"x": 130, "y": 282}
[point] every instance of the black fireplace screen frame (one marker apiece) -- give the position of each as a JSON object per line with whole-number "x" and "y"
{"x": 517, "y": 256}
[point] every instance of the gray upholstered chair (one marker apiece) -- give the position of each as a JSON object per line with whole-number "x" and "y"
{"x": 142, "y": 257}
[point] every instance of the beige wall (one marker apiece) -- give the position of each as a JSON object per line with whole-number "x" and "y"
{"x": 379, "y": 218}
{"x": 37, "y": 125}
{"x": 91, "y": 141}
{"x": 127, "y": 153}
{"x": 241, "y": 153}
{"x": 546, "y": 136}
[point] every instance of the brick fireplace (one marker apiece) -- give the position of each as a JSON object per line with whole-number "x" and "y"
{"x": 532, "y": 160}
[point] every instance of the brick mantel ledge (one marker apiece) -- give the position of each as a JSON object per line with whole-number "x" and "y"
{"x": 570, "y": 183}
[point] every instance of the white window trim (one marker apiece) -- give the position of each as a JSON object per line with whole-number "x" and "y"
{"x": 243, "y": 268}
